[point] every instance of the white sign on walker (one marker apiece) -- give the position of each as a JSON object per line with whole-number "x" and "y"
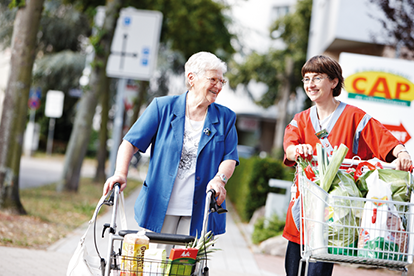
{"x": 384, "y": 88}
{"x": 134, "y": 49}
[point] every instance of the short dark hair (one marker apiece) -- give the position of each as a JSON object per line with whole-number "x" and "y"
{"x": 325, "y": 65}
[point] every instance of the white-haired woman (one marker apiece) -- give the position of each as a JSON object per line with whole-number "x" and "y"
{"x": 194, "y": 149}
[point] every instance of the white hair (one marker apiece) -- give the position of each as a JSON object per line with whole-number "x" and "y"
{"x": 201, "y": 62}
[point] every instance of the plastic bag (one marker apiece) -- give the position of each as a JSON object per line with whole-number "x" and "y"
{"x": 381, "y": 228}
{"x": 400, "y": 183}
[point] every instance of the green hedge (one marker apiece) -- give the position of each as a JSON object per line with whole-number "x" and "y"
{"x": 247, "y": 189}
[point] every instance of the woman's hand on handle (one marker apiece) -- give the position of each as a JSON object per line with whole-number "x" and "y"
{"x": 110, "y": 182}
{"x": 217, "y": 185}
{"x": 304, "y": 150}
{"x": 403, "y": 161}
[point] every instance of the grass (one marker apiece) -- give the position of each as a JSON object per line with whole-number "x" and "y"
{"x": 52, "y": 215}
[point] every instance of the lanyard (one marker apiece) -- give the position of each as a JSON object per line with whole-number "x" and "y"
{"x": 323, "y": 134}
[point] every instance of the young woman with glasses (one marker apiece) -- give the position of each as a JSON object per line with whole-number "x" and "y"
{"x": 334, "y": 123}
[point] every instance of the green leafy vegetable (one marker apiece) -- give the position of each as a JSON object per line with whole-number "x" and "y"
{"x": 328, "y": 169}
{"x": 204, "y": 244}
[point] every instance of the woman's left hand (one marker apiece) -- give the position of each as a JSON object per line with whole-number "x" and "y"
{"x": 403, "y": 162}
{"x": 217, "y": 185}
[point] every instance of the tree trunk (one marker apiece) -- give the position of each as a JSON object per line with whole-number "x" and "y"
{"x": 80, "y": 135}
{"x": 14, "y": 112}
{"x": 282, "y": 110}
{"x": 100, "y": 175}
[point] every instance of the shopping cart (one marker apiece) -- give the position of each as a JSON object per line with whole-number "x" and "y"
{"x": 331, "y": 228}
{"x": 152, "y": 267}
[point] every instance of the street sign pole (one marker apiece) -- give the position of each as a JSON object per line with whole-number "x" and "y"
{"x": 133, "y": 55}
{"x": 52, "y": 122}
{"x": 33, "y": 103}
{"x": 30, "y": 129}
{"x": 118, "y": 124}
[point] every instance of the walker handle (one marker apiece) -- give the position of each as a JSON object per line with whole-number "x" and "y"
{"x": 214, "y": 207}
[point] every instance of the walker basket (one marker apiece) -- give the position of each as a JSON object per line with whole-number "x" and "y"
{"x": 138, "y": 266}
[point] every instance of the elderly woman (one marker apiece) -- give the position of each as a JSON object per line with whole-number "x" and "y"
{"x": 193, "y": 149}
{"x": 331, "y": 123}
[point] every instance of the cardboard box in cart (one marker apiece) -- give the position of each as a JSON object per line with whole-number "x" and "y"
{"x": 384, "y": 88}
{"x": 182, "y": 261}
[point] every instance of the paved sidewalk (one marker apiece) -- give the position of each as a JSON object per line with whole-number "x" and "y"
{"x": 235, "y": 257}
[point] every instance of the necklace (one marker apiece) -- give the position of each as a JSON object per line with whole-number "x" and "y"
{"x": 189, "y": 119}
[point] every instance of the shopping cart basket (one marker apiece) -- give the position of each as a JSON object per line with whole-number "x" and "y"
{"x": 331, "y": 228}
{"x": 152, "y": 267}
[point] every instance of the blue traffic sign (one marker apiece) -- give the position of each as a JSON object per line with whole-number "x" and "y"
{"x": 34, "y": 98}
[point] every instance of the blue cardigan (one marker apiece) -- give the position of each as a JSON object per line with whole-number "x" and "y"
{"x": 162, "y": 125}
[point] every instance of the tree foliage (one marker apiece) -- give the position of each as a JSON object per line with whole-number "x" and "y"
{"x": 279, "y": 69}
{"x": 63, "y": 28}
{"x": 398, "y": 23}
{"x": 269, "y": 68}
{"x": 7, "y": 16}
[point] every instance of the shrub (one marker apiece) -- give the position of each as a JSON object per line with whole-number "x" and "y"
{"x": 263, "y": 231}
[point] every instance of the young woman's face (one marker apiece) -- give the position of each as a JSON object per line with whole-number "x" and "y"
{"x": 319, "y": 87}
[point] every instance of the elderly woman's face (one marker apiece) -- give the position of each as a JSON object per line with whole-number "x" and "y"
{"x": 209, "y": 85}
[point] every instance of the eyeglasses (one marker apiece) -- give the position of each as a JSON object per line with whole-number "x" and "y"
{"x": 215, "y": 81}
{"x": 316, "y": 80}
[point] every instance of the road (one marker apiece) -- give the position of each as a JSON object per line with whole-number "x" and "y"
{"x": 36, "y": 172}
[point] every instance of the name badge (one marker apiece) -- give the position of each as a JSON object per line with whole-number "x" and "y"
{"x": 322, "y": 134}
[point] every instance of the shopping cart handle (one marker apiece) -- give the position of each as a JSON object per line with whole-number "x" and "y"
{"x": 214, "y": 207}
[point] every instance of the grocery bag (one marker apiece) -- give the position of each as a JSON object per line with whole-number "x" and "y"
{"x": 381, "y": 234}
{"x": 400, "y": 183}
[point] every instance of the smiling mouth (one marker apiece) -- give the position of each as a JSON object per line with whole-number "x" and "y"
{"x": 215, "y": 93}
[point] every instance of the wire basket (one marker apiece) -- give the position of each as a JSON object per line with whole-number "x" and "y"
{"x": 139, "y": 266}
{"x": 332, "y": 228}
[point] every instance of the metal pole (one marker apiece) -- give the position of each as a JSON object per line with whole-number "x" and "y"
{"x": 29, "y": 136}
{"x": 118, "y": 124}
{"x": 50, "y": 136}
